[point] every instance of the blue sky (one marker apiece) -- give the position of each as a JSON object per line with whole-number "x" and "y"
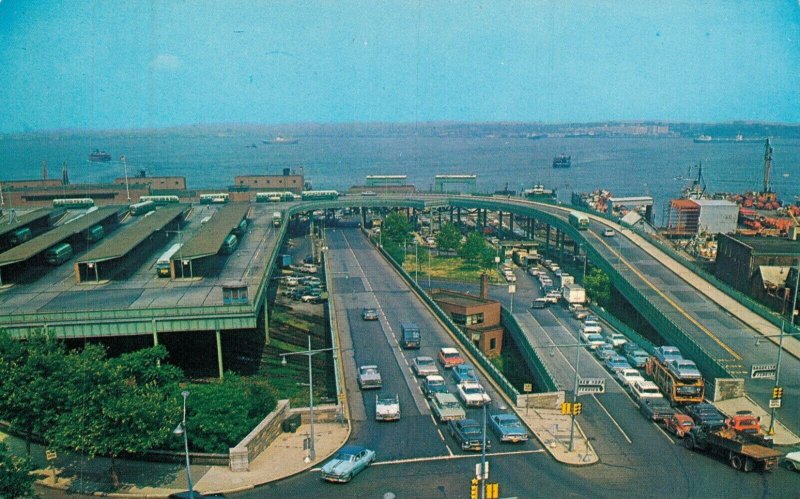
{"x": 131, "y": 64}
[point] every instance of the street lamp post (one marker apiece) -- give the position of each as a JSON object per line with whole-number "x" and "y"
{"x": 416, "y": 261}
{"x": 181, "y": 430}
{"x": 574, "y": 394}
{"x": 429, "y": 268}
{"x": 483, "y": 456}
{"x": 771, "y": 430}
{"x": 312, "y": 454}
{"x": 125, "y": 165}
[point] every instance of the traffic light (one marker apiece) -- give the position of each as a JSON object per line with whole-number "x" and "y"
{"x": 566, "y": 408}
{"x": 473, "y": 489}
{"x": 492, "y": 491}
{"x": 777, "y": 392}
{"x": 577, "y": 408}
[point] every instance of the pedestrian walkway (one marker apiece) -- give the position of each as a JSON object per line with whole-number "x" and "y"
{"x": 284, "y": 457}
{"x": 552, "y": 429}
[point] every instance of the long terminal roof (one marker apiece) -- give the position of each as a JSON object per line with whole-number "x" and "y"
{"x": 209, "y": 240}
{"x": 24, "y": 219}
{"x": 41, "y": 243}
{"x": 123, "y": 241}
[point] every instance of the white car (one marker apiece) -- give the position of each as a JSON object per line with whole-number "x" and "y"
{"x": 627, "y": 376}
{"x": 473, "y": 394}
{"x": 616, "y": 339}
{"x": 645, "y": 390}
{"x": 387, "y": 408}
{"x": 424, "y": 366}
{"x": 792, "y": 461}
{"x": 591, "y": 328}
{"x": 608, "y": 232}
{"x": 592, "y": 340}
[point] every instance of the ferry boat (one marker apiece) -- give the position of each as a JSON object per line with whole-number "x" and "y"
{"x": 280, "y": 139}
{"x": 98, "y": 156}
{"x": 702, "y": 139}
{"x": 562, "y": 161}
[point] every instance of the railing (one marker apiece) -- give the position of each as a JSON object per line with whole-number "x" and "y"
{"x": 545, "y": 379}
{"x": 624, "y": 329}
{"x": 337, "y": 368}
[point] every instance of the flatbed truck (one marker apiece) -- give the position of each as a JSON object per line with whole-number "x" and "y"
{"x": 744, "y": 452}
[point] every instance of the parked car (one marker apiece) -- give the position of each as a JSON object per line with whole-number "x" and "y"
{"x": 628, "y": 375}
{"x": 450, "y": 357}
{"x": 792, "y": 461}
{"x": 684, "y": 369}
{"x": 656, "y": 409}
{"x": 637, "y": 358}
{"x": 508, "y": 428}
{"x": 369, "y": 377}
{"x": 445, "y": 407}
{"x": 387, "y": 408}
{"x": 617, "y": 363}
{"x": 645, "y": 390}
{"x": 473, "y": 394}
{"x": 679, "y": 424}
{"x": 668, "y": 353}
{"x": 347, "y": 463}
{"x": 369, "y": 314}
{"x": 434, "y": 384}
{"x": 424, "y": 366}
{"x": 463, "y": 373}
{"x": 468, "y": 433}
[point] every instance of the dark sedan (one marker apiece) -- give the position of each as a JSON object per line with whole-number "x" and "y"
{"x": 508, "y": 428}
{"x": 468, "y": 433}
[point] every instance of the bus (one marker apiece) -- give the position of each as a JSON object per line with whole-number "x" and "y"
{"x": 229, "y": 245}
{"x": 317, "y": 195}
{"x": 73, "y": 203}
{"x": 142, "y": 207}
{"x": 274, "y": 197}
{"x": 20, "y": 235}
{"x": 58, "y": 254}
{"x": 578, "y": 220}
{"x": 163, "y": 263}
{"x": 218, "y": 198}
{"x": 160, "y": 200}
{"x": 95, "y": 234}
{"x": 241, "y": 228}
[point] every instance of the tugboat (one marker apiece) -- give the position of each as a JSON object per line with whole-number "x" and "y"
{"x": 562, "y": 161}
{"x": 98, "y": 156}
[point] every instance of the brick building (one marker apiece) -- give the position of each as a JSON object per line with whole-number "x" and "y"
{"x": 286, "y": 182}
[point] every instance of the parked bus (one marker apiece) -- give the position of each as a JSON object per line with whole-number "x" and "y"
{"x": 218, "y": 198}
{"x": 579, "y": 220}
{"x": 95, "y": 234}
{"x": 274, "y": 197}
{"x": 163, "y": 263}
{"x": 142, "y": 207}
{"x": 230, "y": 244}
{"x": 316, "y": 195}
{"x": 160, "y": 200}
{"x": 241, "y": 228}
{"x": 20, "y": 235}
{"x": 73, "y": 203}
{"x": 58, "y": 254}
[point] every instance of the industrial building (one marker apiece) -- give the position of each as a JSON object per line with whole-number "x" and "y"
{"x": 689, "y": 217}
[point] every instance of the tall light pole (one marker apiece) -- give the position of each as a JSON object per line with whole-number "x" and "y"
{"x": 181, "y": 430}
{"x": 575, "y": 394}
{"x": 429, "y": 268}
{"x": 312, "y": 454}
{"x": 771, "y": 430}
{"x": 416, "y": 261}
{"x": 125, "y": 164}
{"x": 483, "y": 457}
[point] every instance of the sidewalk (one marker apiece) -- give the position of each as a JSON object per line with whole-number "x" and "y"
{"x": 283, "y": 458}
{"x": 552, "y": 430}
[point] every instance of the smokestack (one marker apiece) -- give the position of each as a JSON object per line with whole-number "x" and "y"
{"x": 64, "y": 174}
{"x": 44, "y": 170}
{"x": 485, "y": 286}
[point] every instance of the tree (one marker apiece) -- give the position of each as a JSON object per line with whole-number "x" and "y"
{"x": 472, "y": 249}
{"x": 448, "y": 238}
{"x": 397, "y": 228}
{"x": 395, "y": 251}
{"x": 16, "y": 479}
{"x": 598, "y": 287}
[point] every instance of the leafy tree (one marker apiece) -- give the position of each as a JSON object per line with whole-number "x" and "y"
{"x": 448, "y": 238}
{"x": 395, "y": 251}
{"x": 487, "y": 257}
{"x": 472, "y": 249}
{"x": 598, "y": 287}
{"x": 397, "y": 228}
{"x": 220, "y": 414}
{"x": 16, "y": 479}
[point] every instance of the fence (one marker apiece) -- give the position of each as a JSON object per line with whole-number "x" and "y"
{"x": 544, "y": 379}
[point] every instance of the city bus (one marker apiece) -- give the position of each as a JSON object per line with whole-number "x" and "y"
{"x": 578, "y": 220}
{"x": 95, "y": 234}
{"x": 218, "y": 198}
{"x": 160, "y": 200}
{"x": 58, "y": 254}
{"x": 229, "y": 245}
{"x": 73, "y": 203}
{"x": 20, "y": 236}
{"x": 274, "y": 197}
{"x": 142, "y": 207}
{"x": 316, "y": 195}
{"x": 163, "y": 263}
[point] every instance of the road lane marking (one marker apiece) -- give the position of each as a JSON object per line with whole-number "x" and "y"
{"x": 612, "y": 419}
{"x": 456, "y": 456}
{"x": 660, "y": 429}
{"x": 440, "y": 434}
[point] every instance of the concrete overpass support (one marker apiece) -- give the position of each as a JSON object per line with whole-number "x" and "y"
{"x": 219, "y": 353}
{"x": 511, "y": 222}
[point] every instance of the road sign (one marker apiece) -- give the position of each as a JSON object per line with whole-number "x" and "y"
{"x": 775, "y": 403}
{"x": 763, "y": 371}
{"x": 50, "y": 455}
{"x": 512, "y": 288}
{"x": 591, "y": 385}
{"x": 527, "y": 387}
{"x": 485, "y": 472}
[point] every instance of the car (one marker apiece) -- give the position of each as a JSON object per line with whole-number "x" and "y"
{"x": 508, "y": 428}
{"x": 641, "y": 390}
{"x": 553, "y": 296}
{"x": 387, "y": 408}
{"x": 540, "y": 303}
{"x": 445, "y": 407}
{"x": 369, "y": 314}
{"x": 450, "y": 357}
{"x": 667, "y": 353}
{"x": 311, "y": 298}
{"x": 605, "y": 351}
{"x": 705, "y": 414}
{"x": 792, "y": 461}
{"x": 308, "y": 259}
{"x": 592, "y": 340}
{"x": 347, "y": 463}
{"x": 684, "y": 369}
{"x": 616, "y": 363}
{"x": 468, "y": 433}
{"x": 616, "y": 339}
{"x": 580, "y": 313}
{"x": 424, "y": 366}
{"x": 463, "y": 373}
{"x": 591, "y": 328}
{"x": 656, "y": 409}
{"x": 628, "y": 375}
{"x": 369, "y": 377}
{"x": 434, "y": 384}
{"x": 608, "y": 232}
{"x": 637, "y": 358}
{"x": 630, "y": 346}
{"x": 679, "y": 424}
{"x": 591, "y": 319}
{"x": 473, "y": 394}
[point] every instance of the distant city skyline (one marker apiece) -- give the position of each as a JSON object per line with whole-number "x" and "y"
{"x": 124, "y": 64}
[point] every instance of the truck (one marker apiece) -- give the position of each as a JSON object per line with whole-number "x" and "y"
{"x": 743, "y": 451}
{"x": 676, "y": 390}
{"x": 566, "y": 279}
{"x": 573, "y": 294}
{"x": 410, "y": 336}
{"x": 276, "y": 219}
{"x": 286, "y": 261}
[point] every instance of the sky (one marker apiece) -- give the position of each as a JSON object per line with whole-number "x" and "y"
{"x": 108, "y": 64}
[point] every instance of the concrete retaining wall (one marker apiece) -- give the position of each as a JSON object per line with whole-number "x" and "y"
{"x": 549, "y": 400}
{"x": 258, "y": 439}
